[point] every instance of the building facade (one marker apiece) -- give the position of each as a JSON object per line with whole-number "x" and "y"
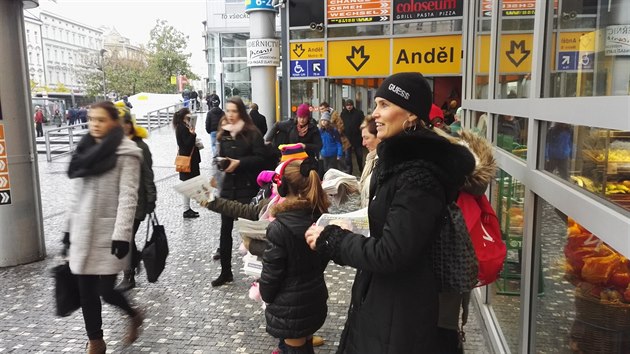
{"x": 121, "y": 47}
{"x": 226, "y": 33}
{"x": 35, "y": 50}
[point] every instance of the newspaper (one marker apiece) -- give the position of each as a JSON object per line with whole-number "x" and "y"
{"x": 252, "y": 265}
{"x": 252, "y": 229}
{"x": 356, "y": 221}
{"x": 197, "y": 188}
{"x": 339, "y": 185}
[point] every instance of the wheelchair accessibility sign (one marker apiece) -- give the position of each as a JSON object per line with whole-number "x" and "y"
{"x": 308, "y": 68}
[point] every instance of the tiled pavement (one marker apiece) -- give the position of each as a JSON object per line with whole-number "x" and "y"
{"x": 184, "y": 314}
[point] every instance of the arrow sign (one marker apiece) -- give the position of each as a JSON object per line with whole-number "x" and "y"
{"x": 4, "y": 182}
{"x": 298, "y": 50}
{"x": 566, "y": 60}
{"x": 384, "y": 18}
{"x": 517, "y": 53}
{"x": 5, "y": 197}
{"x": 3, "y": 165}
{"x": 358, "y": 64}
{"x": 317, "y": 67}
{"x": 2, "y": 148}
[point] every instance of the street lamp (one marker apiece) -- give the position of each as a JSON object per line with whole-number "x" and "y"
{"x": 103, "y": 51}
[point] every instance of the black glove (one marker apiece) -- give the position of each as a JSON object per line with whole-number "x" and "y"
{"x": 150, "y": 207}
{"x": 120, "y": 249}
{"x": 66, "y": 244}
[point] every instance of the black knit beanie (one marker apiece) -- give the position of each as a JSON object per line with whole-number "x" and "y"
{"x": 410, "y": 91}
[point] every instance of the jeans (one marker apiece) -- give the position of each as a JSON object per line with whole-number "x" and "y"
{"x": 329, "y": 162}
{"x": 213, "y": 143}
{"x": 91, "y": 289}
{"x": 358, "y": 153}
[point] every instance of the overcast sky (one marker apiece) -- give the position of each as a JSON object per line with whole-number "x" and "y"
{"x": 135, "y": 18}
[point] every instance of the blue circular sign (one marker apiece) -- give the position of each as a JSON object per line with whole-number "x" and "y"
{"x": 259, "y": 5}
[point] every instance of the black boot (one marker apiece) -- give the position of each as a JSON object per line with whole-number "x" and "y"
{"x": 222, "y": 279}
{"x": 189, "y": 214}
{"x": 128, "y": 282}
{"x": 303, "y": 349}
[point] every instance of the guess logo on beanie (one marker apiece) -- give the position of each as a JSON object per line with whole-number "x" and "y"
{"x": 399, "y": 91}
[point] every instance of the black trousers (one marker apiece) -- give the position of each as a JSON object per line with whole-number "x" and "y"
{"x": 39, "y": 128}
{"x": 358, "y": 153}
{"x": 135, "y": 254}
{"x": 225, "y": 244}
{"x": 91, "y": 289}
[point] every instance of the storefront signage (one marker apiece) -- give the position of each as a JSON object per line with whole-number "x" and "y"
{"x": 259, "y": 5}
{"x": 575, "y": 51}
{"x": 515, "y": 53}
{"x": 307, "y": 50}
{"x": 428, "y": 55}
{"x": 263, "y": 52}
{"x": 358, "y": 11}
{"x": 513, "y": 7}
{"x": 5, "y": 182}
{"x": 423, "y": 9}
{"x": 359, "y": 58}
{"x": 618, "y": 40}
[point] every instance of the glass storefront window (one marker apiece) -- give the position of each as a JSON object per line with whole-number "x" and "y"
{"x": 511, "y": 134}
{"x": 448, "y": 26}
{"x": 508, "y": 200}
{"x": 481, "y": 56}
{"x": 480, "y": 122}
{"x": 305, "y": 34}
{"x": 359, "y": 31}
{"x": 597, "y": 160}
{"x": 304, "y": 91}
{"x": 590, "y": 49}
{"x": 584, "y": 301}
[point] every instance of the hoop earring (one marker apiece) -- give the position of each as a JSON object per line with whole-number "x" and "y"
{"x": 410, "y": 129}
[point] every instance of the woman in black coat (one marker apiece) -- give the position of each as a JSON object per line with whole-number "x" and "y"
{"x": 186, "y": 139}
{"x": 292, "y": 280}
{"x": 242, "y": 145}
{"x": 394, "y": 305}
{"x": 306, "y": 132}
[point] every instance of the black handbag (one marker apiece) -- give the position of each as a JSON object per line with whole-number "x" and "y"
{"x": 67, "y": 297}
{"x": 454, "y": 260}
{"x": 155, "y": 249}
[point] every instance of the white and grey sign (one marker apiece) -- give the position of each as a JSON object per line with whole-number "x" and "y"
{"x": 618, "y": 40}
{"x": 263, "y": 52}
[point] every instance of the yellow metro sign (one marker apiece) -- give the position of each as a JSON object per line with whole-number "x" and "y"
{"x": 359, "y": 58}
{"x": 307, "y": 50}
{"x": 515, "y": 53}
{"x": 429, "y": 55}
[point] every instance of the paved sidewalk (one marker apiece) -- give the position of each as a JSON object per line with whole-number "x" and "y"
{"x": 184, "y": 313}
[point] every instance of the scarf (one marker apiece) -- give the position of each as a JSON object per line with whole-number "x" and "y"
{"x": 92, "y": 158}
{"x": 235, "y": 128}
{"x": 302, "y": 130}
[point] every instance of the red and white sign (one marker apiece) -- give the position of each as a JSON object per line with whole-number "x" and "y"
{"x": 357, "y": 11}
{"x": 5, "y": 182}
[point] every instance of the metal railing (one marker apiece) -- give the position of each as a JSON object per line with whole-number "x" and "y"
{"x": 64, "y": 144}
{"x": 160, "y": 117}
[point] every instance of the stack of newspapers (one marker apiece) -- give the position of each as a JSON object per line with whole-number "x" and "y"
{"x": 339, "y": 185}
{"x": 197, "y": 188}
{"x": 356, "y": 221}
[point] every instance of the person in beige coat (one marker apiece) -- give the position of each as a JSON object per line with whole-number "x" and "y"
{"x": 105, "y": 171}
{"x": 370, "y": 141}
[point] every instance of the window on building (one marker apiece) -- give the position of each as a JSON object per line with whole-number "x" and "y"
{"x": 28, "y": 36}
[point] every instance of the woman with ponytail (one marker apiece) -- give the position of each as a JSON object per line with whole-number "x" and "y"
{"x": 292, "y": 281}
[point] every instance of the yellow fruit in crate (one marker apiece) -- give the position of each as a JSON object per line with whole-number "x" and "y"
{"x": 626, "y": 183}
{"x": 570, "y": 221}
{"x": 574, "y": 229}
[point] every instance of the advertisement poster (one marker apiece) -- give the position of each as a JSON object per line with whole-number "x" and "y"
{"x": 427, "y": 9}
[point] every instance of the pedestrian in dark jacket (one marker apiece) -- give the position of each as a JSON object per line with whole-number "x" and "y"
{"x": 394, "y": 304}
{"x": 559, "y": 149}
{"x": 306, "y": 132}
{"x": 292, "y": 280}
{"x": 259, "y": 120}
{"x": 186, "y": 143}
{"x": 240, "y": 142}
{"x": 279, "y": 133}
{"x": 213, "y": 117}
{"x": 352, "y": 119}
{"x": 147, "y": 193}
{"x": 194, "y": 104}
{"x": 213, "y": 99}
{"x": 82, "y": 116}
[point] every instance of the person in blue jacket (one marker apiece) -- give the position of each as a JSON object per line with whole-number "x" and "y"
{"x": 332, "y": 150}
{"x": 559, "y": 149}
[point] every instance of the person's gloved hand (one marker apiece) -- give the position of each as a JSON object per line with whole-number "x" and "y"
{"x": 150, "y": 207}
{"x": 120, "y": 249}
{"x": 66, "y": 244}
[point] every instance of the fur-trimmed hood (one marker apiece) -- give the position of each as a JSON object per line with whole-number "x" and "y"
{"x": 485, "y": 164}
{"x": 452, "y": 162}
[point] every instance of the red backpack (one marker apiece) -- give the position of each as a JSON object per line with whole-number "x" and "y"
{"x": 485, "y": 233}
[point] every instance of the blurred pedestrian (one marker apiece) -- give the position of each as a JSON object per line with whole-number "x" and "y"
{"x": 394, "y": 304}
{"x": 331, "y": 151}
{"x": 213, "y": 117}
{"x": 39, "y": 121}
{"x": 242, "y": 145}
{"x": 186, "y": 143}
{"x": 352, "y": 119}
{"x": 260, "y": 121}
{"x": 292, "y": 280}
{"x": 82, "y": 116}
{"x": 194, "y": 104}
{"x": 147, "y": 193}
{"x": 305, "y": 132}
{"x": 125, "y": 99}
{"x": 105, "y": 169}
{"x": 370, "y": 142}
